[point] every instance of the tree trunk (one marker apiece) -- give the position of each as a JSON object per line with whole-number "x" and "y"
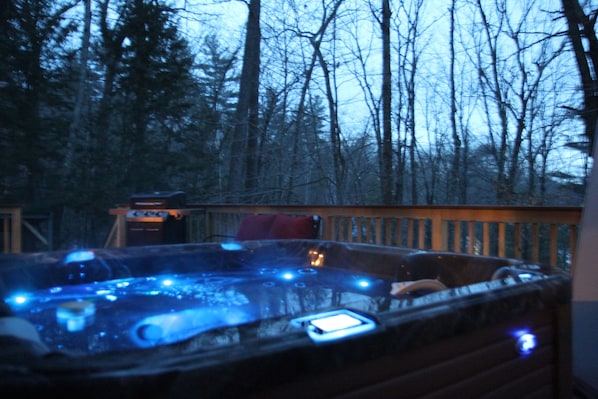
{"x": 586, "y": 62}
{"x": 75, "y": 127}
{"x": 386, "y": 107}
{"x": 334, "y": 129}
{"x": 243, "y": 162}
{"x": 503, "y": 191}
{"x": 455, "y": 181}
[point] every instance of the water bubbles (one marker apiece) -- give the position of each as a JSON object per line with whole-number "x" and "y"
{"x": 307, "y": 271}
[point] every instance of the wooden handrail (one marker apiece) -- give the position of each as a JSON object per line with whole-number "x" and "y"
{"x": 539, "y": 234}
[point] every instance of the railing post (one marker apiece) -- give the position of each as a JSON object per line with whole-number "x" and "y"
{"x": 5, "y": 234}
{"x": 328, "y": 226}
{"x": 207, "y": 221}
{"x": 121, "y": 231}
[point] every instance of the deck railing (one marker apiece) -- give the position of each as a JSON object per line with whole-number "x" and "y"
{"x": 25, "y": 231}
{"x": 538, "y": 234}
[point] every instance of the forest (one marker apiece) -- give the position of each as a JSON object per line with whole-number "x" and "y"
{"x": 329, "y": 102}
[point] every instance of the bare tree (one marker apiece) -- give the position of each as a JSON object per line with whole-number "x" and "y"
{"x": 316, "y": 39}
{"x": 512, "y": 59}
{"x": 362, "y": 55}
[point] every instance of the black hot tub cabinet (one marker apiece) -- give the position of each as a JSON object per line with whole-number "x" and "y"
{"x": 254, "y": 319}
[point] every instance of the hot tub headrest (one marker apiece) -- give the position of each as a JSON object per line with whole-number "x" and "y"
{"x": 268, "y": 227}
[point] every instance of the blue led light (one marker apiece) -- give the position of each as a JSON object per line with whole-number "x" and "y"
{"x": 231, "y": 246}
{"x": 525, "y": 276}
{"x": 20, "y": 299}
{"x": 167, "y": 283}
{"x": 288, "y": 276}
{"x": 363, "y": 283}
{"x": 79, "y": 256}
{"x": 526, "y": 343}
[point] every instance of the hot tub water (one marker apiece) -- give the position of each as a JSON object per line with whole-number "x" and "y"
{"x": 144, "y": 312}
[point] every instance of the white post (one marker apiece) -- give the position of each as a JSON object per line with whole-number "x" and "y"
{"x": 585, "y": 290}
{"x": 585, "y": 275}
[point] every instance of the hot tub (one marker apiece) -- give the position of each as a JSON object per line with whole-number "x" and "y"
{"x": 290, "y": 318}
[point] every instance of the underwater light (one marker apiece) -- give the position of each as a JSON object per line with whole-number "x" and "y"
{"x": 288, "y": 276}
{"x": 231, "y": 246}
{"x": 79, "y": 256}
{"x": 167, "y": 283}
{"x": 20, "y": 299}
{"x": 363, "y": 283}
{"x": 526, "y": 343}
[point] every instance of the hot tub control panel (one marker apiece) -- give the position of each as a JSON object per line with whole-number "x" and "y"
{"x": 337, "y": 324}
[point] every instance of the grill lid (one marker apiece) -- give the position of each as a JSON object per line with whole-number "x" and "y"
{"x": 158, "y": 200}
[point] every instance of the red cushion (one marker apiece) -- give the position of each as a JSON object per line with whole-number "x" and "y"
{"x": 289, "y": 227}
{"x": 255, "y": 227}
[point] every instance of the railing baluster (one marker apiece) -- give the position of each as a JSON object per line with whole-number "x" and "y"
{"x": 472, "y": 239}
{"x": 517, "y": 240}
{"x": 330, "y": 227}
{"x": 572, "y": 244}
{"x": 348, "y": 223}
{"x": 553, "y": 244}
{"x": 457, "y": 243}
{"x": 486, "y": 239}
{"x": 421, "y": 234}
{"x": 399, "y": 232}
{"x": 378, "y": 230}
{"x": 410, "y": 233}
{"x": 6, "y": 234}
{"x": 535, "y": 242}
{"x": 501, "y": 240}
